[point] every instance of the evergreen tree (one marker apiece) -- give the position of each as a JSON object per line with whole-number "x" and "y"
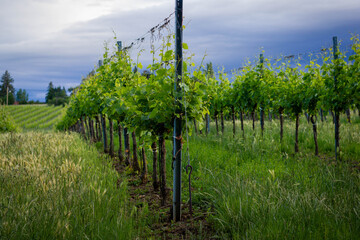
{"x": 22, "y": 96}
{"x": 6, "y": 85}
{"x": 56, "y": 95}
{"x": 209, "y": 71}
{"x": 50, "y": 93}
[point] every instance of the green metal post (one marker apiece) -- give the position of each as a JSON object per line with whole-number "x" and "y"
{"x": 207, "y": 116}
{"x": 103, "y": 122}
{"x": 178, "y": 110}
{"x": 337, "y": 122}
{"x": 119, "y": 45}
{"x": 126, "y": 133}
{"x": 261, "y": 104}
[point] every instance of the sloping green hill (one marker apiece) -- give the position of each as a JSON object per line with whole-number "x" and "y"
{"x": 35, "y": 116}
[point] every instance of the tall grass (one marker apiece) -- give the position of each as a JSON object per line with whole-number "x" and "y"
{"x": 54, "y": 186}
{"x": 257, "y": 188}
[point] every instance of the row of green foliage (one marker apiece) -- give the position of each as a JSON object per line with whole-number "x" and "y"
{"x": 35, "y": 120}
{"x": 32, "y": 112}
{"x": 7, "y": 123}
{"x": 288, "y": 87}
{"x": 142, "y": 103}
{"x": 35, "y": 116}
{"x": 147, "y": 102}
{"x": 285, "y": 87}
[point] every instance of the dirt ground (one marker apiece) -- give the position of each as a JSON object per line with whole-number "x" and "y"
{"x": 191, "y": 226}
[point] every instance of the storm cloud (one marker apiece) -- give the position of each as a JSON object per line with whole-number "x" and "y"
{"x": 62, "y": 40}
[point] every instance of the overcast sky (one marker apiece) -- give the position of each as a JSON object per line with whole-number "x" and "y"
{"x": 62, "y": 40}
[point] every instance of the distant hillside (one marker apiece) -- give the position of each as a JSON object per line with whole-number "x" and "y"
{"x": 36, "y": 116}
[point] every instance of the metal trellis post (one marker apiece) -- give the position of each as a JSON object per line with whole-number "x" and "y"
{"x": 335, "y": 46}
{"x": 177, "y": 121}
{"x": 126, "y": 143}
{"x": 261, "y": 105}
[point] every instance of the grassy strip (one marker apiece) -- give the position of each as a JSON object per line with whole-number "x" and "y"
{"x": 7, "y": 124}
{"x": 258, "y": 189}
{"x": 54, "y": 186}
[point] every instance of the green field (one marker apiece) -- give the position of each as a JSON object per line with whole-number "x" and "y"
{"x": 35, "y": 116}
{"x": 58, "y": 186}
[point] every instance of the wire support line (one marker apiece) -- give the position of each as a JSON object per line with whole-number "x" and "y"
{"x": 298, "y": 56}
{"x": 164, "y": 24}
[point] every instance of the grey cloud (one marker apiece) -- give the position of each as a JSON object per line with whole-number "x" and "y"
{"x": 228, "y": 31}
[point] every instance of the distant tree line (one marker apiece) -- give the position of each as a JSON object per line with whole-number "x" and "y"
{"x": 56, "y": 95}
{"x": 22, "y": 96}
{"x": 8, "y": 95}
